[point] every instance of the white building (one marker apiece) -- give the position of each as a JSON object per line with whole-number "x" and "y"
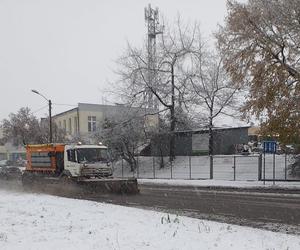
{"x": 86, "y": 119}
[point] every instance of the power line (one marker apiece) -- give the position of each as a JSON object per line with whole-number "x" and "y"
{"x": 63, "y": 104}
{"x": 46, "y": 106}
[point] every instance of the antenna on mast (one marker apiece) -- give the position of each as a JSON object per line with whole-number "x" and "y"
{"x": 154, "y": 28}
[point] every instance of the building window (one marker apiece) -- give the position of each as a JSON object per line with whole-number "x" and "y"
{"x": 70, "y": 125}
{"x": 91, "y": 123}
{"x": 65, "y": 125}
{"x": 75, "y": 125}
{"x": 59, "y": 124}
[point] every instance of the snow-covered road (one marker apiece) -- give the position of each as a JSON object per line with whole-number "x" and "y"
{"x": 38, "y": 221}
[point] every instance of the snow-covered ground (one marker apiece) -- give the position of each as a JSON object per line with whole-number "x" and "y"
{"x": 197, "y": 167}
{"x": 38, "y": 221}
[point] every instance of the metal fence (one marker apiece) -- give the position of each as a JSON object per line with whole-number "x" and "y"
{"x": 264, "y": 167}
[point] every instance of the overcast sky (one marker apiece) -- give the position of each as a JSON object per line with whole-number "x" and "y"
{"x": 66, "y": 48}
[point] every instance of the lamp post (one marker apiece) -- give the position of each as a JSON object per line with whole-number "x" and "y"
{"x": 50, "y": 118}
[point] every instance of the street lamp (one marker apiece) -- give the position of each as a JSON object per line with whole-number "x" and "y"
{"x": 50, "y": 118}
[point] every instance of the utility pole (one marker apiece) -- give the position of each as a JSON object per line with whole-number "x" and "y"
{"x": 50, "y": 116}
{"x": 50, "y": 121}
{"x": 152, "y": 22}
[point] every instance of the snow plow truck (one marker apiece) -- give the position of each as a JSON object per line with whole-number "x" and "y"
{"x": 63, "y": 168}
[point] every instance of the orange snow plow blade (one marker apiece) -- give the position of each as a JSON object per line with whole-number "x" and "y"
{"x": 117, "y": 186}
{"x": 81, "y": 187}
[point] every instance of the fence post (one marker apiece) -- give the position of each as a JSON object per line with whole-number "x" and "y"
{"x": 113, "y": 166}
{"x": 274, "y": 168}
{"x": 138, "y": 168}
{"x": 171, "y": 169}
{"x": 190, "y": 166}
{"x": 259, "y": 166}
{"x": 122, "y": 169}
{"x": 153, "y": 164}
{"x": 264, "y": 167}
{"x": 211, "y": 167}
{"x": 234, "y": 167}
{"x": 285, "y": 167}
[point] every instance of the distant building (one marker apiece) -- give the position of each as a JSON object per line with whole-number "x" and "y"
{"x": 87, "y": 119}
{"x": 196, "y": 142}
{"x": 1, "y": 133}
{"x": 254, "y": 133}
{"x": 3, "y": 153}
{"x": 12, "y": 153}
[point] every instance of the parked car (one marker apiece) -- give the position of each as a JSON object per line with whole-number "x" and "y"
{"x": 21, "y": 163}
{"x": 289, "y": 149}
{"x": 7, "y": 172}
{"x": 3, "y": 163}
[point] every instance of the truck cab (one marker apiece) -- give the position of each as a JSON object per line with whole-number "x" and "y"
{"x": 87, "y": 161}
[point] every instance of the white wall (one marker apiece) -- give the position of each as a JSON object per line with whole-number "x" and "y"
{"x": 59, "y": 120}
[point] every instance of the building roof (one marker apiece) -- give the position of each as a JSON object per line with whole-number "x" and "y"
{"x": 102, "y": 107}
{"x": 204, "y": 130}
{"x": 65, "y": 112}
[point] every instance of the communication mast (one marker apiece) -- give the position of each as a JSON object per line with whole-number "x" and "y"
{"x": 152, "y": 22}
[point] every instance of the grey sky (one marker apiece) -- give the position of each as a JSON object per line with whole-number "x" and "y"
{"x": 66, "y": 48}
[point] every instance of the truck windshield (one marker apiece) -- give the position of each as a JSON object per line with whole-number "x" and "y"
{"x": 91, "y": 155}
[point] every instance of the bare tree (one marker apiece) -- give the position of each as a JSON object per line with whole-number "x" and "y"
{"x": 214, "y": 92}
{"x": 260, "y": 43}
{"x": 125, "y": 136}
{"x": 59, "y": 134}
{"x": 24, "y": 127}
{"x": 167, "y": 84}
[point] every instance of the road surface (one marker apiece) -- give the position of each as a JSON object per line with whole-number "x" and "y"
{"x": 275, "y": 211}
